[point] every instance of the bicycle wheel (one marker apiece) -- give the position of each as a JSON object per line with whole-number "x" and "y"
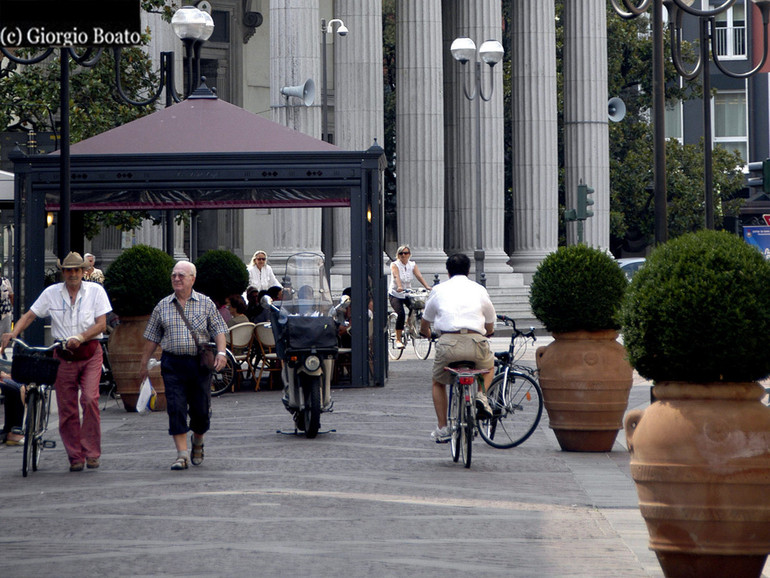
{"x": 466, "y": 442}
{"x": 43, "y": 413}
{"x": 453, "y": 420}
{"x": 517, "y": 405}
{"x": 222, "y": 380}
{"x": 422, "y": 346}
{"x": 393, "y": 351}
{"x": 30, "y": 430}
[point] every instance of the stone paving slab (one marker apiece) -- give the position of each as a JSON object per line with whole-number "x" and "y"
{"x": 374, "y": 498}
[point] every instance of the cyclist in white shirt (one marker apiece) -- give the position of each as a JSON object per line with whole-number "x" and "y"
{"x": 461, "y": 310}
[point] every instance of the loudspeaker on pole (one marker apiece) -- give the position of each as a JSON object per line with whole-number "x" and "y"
{"x": 616, "y": 109}
{"x": 306, "y": 91}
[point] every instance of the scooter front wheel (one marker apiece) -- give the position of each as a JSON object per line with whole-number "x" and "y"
{"x": 312, "y": 406}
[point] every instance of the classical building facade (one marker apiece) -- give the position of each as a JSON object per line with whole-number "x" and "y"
{"x": 446, "y": 144}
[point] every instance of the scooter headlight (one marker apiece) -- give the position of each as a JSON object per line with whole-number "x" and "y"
{"x": 312, "y": 362}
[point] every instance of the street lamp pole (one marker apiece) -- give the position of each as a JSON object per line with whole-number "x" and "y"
{"x": 192, "y": 25}
{"x": 490, "y": 52}
{"x": 342, "y": 30}
{"x": 708, "y": 42}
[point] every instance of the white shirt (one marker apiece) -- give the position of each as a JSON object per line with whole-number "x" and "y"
{"x": 459, "y": 303}
{"x": 69, "y": 318}
{"x": 262, "y": 278}
{"x": 405, "y": 273}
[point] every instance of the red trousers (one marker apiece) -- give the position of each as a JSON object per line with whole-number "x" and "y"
{"x": 81, "y": 440}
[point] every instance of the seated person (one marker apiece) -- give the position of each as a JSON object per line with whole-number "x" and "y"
{"x": 253, "y": 305}
{"x": 237, "y": 308}
{"x": 14, "y": 409}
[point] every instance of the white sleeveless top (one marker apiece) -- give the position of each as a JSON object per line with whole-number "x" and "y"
{"x": 406, "y": 273}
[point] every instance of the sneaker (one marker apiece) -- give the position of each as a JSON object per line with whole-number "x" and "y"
{"x": 92, "y": 463}
{"x": 400, "y": 345}
{"x": 77, "y": 467}
{"x": 441, "y": 435}
{"x": 483, "y": 409}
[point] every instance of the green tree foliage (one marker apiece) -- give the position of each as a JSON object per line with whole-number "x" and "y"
{"x": 30, "y": 95}
{"x": 138, "y": 279}
{"x": 220, "y": 274}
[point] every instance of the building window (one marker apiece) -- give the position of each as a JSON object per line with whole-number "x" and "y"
{"x": 673, "y": 120}
{"x": 731, "y": 122}
{"x": 730, "y": 32}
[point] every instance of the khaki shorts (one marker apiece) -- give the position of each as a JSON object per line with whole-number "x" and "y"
{"x": 461, "y": 347}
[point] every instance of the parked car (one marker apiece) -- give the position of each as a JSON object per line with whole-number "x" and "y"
{"x": 630, "y": 265}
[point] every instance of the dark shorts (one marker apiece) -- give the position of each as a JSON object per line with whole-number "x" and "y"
{"x": 187, "y": 385}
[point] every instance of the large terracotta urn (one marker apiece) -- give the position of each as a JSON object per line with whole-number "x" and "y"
{"x": 125, "y": 348}
{"x": 700, "y": 457}
{"x": 586, "y": 379}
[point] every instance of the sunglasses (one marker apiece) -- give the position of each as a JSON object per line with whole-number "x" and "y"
{"x": 404, "y": 253}
{"x": 261, "y": 259}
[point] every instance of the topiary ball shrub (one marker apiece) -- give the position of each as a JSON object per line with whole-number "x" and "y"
{"x": 138, "y": 279}
{"x": 220, "y": 274}
{"x": 699, "y": 311}
{"x": 578, "y": 288}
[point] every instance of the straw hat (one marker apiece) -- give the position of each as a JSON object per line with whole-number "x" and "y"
{"x": 72, "y": 261}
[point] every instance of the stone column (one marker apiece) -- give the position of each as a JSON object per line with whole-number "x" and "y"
{"x": 535, "y": 134}
{"x": 475, "y": 141}
{"x": 294, "y": 57}
{"x": 586, "y": 135}
{"x": 358, "y": 109}
{"x": 420, "y": 133}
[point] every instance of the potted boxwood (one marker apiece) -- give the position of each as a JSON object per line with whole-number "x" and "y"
{"x": 577, "y": 293}
{"x": 220, "y": 274}
{"x": 696, "y": 321}
{"x": 135, "y": 282}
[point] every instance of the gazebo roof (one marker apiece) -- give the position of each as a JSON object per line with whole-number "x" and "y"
{"x": 200, "y": 125}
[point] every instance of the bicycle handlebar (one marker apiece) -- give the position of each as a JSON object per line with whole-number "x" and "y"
{"x": 516, "y": 331}
{"x": 59, "y": 343}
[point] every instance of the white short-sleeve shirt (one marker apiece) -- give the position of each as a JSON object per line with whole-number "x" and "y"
{"x": 459, "y": 303}
{"x": 69, "y": 319}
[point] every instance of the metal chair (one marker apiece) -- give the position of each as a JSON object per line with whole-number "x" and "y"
{"x": 265, "y": 357}
{"x": 240, "y": 341}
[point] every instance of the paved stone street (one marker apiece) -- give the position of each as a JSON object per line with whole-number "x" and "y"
{"x": 374, "y": 498}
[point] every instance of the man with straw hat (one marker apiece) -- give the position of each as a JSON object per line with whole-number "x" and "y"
{"x": 78, "y": 313}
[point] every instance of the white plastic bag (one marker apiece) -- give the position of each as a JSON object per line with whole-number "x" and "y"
{"x": 146, "y": 393}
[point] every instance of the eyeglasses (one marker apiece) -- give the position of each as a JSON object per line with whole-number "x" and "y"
{"x": 179, "y": 275}
{"x": 261, "y": 259}
{"x": 404, "y": 253}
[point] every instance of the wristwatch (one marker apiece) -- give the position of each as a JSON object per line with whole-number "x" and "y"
{"x": 221, "y": 353}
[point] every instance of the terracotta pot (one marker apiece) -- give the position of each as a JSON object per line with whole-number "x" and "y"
{"x": 586, "y": 379}
{"x": 700, "y": 457}
{"x": 125, "y": 348}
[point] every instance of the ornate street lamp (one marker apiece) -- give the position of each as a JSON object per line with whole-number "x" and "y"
{"x": 676, "y": 8}
{"x": 193, "y": 26}
{"x": 490, "y": 52}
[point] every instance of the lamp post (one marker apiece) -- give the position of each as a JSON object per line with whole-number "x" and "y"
{"x": 490, "y": 52}
{"x": 707, "y": 40}
{"x": 192, "y": 25}
{"x": 342, "y": 30}
{"x": 676, "y": 8}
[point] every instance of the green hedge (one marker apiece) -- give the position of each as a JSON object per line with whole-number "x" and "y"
{"x": 578, "y": 288}
{"x": 220, "y": 274}
{"x": 138, "y": 279}
{"x": 699, "y": 311}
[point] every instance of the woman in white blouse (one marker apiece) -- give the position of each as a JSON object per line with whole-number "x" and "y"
{"x": 402, "y": 271}
{"x": 261, "y": 274}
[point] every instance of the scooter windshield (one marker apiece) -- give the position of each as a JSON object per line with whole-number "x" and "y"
{"x": 306, "y": 291}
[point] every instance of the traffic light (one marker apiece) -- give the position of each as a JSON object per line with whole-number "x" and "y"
{"x": 759, "y": 175}
{"x": 584, "y": 201}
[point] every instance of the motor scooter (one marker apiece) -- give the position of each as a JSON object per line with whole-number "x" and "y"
{"x": 305, "y": 327}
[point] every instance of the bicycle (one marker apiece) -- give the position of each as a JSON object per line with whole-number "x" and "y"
{"x": 422, "y": 345}
{"x": 514, "y": 395}
{"x": 35, "y": 367}
{"x": 222, "y": 380}
{"x": 461, "y": 413}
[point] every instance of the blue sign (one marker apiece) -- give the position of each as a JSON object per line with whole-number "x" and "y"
{"x": 760, "y": 238}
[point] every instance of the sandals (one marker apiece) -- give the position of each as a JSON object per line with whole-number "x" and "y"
{"x": 196, "y": 456}
{"x": 180, "y": 464}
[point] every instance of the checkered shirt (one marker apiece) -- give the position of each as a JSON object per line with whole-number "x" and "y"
{"x": 168, "y": 328}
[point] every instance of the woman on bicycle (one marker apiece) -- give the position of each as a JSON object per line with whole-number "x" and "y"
{"x": 402, "y": 271}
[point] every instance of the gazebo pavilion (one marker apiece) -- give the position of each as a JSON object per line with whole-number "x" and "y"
{"x": 204, "y": 153}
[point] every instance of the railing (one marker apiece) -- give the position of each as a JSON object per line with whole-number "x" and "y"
{"x": 730, "y": 41}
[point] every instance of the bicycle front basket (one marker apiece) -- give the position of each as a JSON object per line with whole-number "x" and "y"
{"x": 34, "y": 367}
